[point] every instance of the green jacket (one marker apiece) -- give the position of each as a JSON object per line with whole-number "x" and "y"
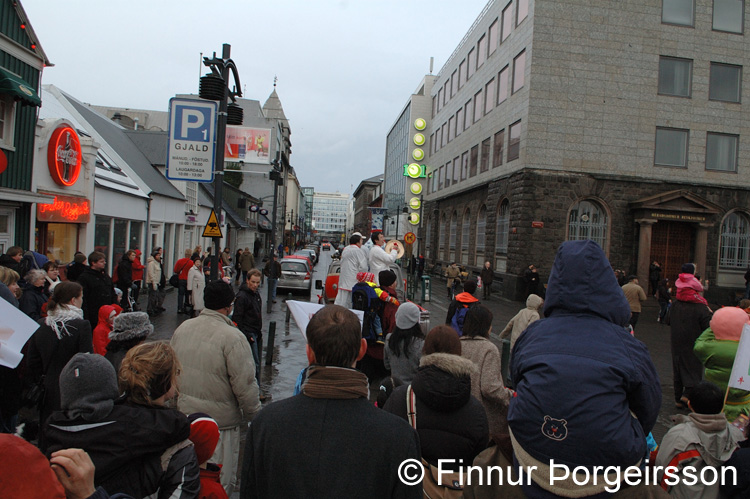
{"x": 717, "y": 356}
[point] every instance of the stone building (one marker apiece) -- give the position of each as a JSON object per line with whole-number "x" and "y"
{"x": 367, "y": 192}
{"x": 622, "y": 123}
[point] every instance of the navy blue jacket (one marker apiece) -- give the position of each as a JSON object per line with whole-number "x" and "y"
{"x": 579, "y": 373}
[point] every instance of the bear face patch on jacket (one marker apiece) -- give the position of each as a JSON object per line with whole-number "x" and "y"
{"x": 555, "y": 429}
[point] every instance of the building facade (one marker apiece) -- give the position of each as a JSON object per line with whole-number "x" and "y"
{"x": 623, "y": 124}
{"x": 365, "y": 193}
{"x": 329, "y": 215}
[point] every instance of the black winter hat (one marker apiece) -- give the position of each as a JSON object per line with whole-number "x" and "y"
{"x": 470, "y": 286}
{"x": 386, "y": 277}
{"x": 218, "y": 294}
{"x": 88, "y": 387}
{"x": 687, "y": 268}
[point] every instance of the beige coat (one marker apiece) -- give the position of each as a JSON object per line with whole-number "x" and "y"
{"x": 451, "y": 273}
{"x": 488, "y": 387}
{"x": 247, "y": 261}
{"x": 153, "y": 273}
{"x": 522, "y": 319}
{"x": 635, "y": 295}
{"x": 218, "y": 373}
{"x": 196, "y": 283}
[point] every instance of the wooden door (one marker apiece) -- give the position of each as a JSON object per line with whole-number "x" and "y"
{"x": 671, "y": 245}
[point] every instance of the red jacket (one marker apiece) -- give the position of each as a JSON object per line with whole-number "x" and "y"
{"x": 138, "y": 267}
{"x": 103, "y": 328}
{"x": 210, "y": 486}
{"x": 183, "y": 267}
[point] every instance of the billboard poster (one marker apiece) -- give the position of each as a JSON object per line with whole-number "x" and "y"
{"x": 249, "y": 145}
{"x": 377, "y": 218}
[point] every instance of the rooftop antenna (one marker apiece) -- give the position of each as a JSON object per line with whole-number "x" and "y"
{"x": 200, "y": 66}
{"x": 275, "y": 79}
{"x": 432, "y": 62}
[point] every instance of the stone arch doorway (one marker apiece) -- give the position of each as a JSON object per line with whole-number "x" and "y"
{"x": 672, "y": 245}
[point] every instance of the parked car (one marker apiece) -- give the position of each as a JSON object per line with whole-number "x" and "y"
{"x": 304, "y": 257}
{"x": 331, "y": 286}
{"x": 309, "y": 253}
{"x": 296, "y": 274}
{"x": 315, "y": 248}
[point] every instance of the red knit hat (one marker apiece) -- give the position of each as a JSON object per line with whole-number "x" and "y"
{"x": 365, "y": 277}
{"x": 25, "y": 472}
{"x": 204, "y": 433}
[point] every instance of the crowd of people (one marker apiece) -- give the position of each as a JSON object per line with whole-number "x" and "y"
{"x": 121, "y": 414}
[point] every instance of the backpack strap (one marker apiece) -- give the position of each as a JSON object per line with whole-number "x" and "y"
{"x": 411, "y": 407}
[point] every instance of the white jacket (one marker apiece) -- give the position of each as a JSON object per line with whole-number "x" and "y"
{"x": 380, "y": 260}
{"x": 353, "y": 261}
{"x": 196, "y": 282}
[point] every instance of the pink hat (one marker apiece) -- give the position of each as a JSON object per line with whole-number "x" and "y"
{"x": 365, "y": 277}
{"x": 688, "y": 281}
{"x": 727, "y": 323}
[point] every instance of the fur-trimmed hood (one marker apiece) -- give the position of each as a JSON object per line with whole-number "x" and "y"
{"x": 443, "y": 381}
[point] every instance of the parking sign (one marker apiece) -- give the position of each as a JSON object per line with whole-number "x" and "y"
{"x": 191, "y": 141}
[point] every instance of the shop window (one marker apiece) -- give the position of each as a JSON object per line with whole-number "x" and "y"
{"x": 465, "y": 232}
{"x": 135, "y": 232}
{"x": 675, "y": 76}
{"x": 671, "y": 147}
{"x": 7, "y": 120}
{"x": 725, "y": 82}
{"x": 101, "y": 234}
{"x": 681, "y": 12}
{"x": 481, "y": 234}
{"x": 729, "y": 15}
{"x": 735, "y": 242}
{"x": 502, "y": 227}
{"x": 588, "y": 220}
{"x": 721, "y": 152}
{"x": 452, "y": 240}
{"x": 60, "y": 241}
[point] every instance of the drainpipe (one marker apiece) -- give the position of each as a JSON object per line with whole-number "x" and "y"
{"x": 147, "y": 249}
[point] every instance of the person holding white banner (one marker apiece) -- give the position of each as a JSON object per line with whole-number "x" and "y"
{"x": 716, "y": 348}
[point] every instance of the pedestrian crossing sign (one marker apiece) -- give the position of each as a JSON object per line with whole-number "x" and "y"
{"x": 212, "y": 228}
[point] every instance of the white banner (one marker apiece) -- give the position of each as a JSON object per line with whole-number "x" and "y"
{"x": 740, "y": 377}
{"x": 15, "y": 331}
{"x": 303, "y": 311}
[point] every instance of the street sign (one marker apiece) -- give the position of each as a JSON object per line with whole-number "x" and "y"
{"x": 212, "y": 228}
{"x": 409, "y": 238}
{"x": 191, "y": 142}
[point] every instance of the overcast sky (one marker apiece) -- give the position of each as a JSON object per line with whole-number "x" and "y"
{"x": 345, "y": 68}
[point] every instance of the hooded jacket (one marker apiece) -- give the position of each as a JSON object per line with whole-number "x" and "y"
{"x": 450, "y": 422}
{"x": 103, "y": 328}
{"x": 710, "y": 435}
{"x": 248, "y": 311}
{"x": 587, "y": 392}
{"x": 137, "y": 267}
{"x": 462, "y": 299}
{"x": 522, "y": 319}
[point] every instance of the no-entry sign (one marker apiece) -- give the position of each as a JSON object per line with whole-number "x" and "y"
{"x": 191, "y": 141}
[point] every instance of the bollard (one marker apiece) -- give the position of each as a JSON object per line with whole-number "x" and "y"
{"x": 269, "y": 345}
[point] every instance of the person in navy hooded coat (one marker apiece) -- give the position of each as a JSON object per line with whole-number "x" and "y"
{"x": 587, "y": 392}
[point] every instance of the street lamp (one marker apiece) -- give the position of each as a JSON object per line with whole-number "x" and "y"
{"x": 214, "y": 86}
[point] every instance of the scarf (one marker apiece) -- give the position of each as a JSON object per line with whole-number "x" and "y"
{"x": 57, "y": 319}
{"x": 328, "y": 382}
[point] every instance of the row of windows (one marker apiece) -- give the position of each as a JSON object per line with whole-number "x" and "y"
{"x": 727, "y": 15}
{"x": 671, "y": 149}
{"x": 486, "y": 46}
{"x": 494, "y": 93}
{"x": 676, "y": 79}
{"x": 477, "y": 159}
{"x": 586, "y": 220}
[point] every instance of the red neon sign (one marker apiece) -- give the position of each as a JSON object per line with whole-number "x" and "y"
{"x": 64, "y": 156}
{"x": 65, "y": 209}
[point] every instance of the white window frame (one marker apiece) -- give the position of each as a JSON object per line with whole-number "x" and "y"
{"x": 7, "y": 140}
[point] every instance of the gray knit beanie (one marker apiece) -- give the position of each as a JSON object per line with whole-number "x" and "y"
{"x": 131, "y": 325}
{"x": 88, "y": 387}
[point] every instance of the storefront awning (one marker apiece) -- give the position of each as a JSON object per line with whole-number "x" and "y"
{"x": 264, "y": 224}
{"x": 11, "y": 83}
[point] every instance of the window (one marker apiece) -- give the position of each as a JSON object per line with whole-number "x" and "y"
{"x": 671, "y": 147}
{"x": 492, "y": 41}
{"x": 481, "y": 51}
{"x": 469, "y": 115}
{"x": 514, "y": 141}
{"x": 465, "y": 231}
{"x": 459, "y": 121}
{"x": 588, "y": 220}
{"x": 502, "y": 227}
{"x": 7, "y": 120}
{"x": 465, "y": 166}
{"x": 438, "y": 138}
{"x": 440, "y": 178}
{"x": 725, "y": 82}
{"x": 443, "y": 241}
{"x": 440, "y": 100}
{"x": 456, "y": 169}
{"x": 446, "y": 91}
{"x": 428, "y": 237}
{"x": 485, "y": 162}
{"x": 452, "y": 240}
{"x": 519, "y": 71}
{"x": 497, "y": 150}
{"x": 451, "y": 128}
{"x": 433, "y": 149}
{"x": 444, "y": 135}
{"x": 678, "y": 12}
{"x": 448, "y": 173}
{"x": 507, "y": 22}
{"x": 479, "y": 247}
{"x": 735, "y": 242}
{"x": 434, "y": 105}
{"x": 523, "y": 11}
{"x": 478, "y": 106}
{"x": 721, "y": 152}
{"x": 489, "y": 92}
{"x": 729, "y": 15}
{"x": 675, "y": 76}
{"x": 462, "y": 74}
{"x": 472, "y": 62}
{"x": 473, "y": 161}
{"x": 454, "y": 83}
{"x": 502, "y": 85}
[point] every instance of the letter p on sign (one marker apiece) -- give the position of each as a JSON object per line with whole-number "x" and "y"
{"x": 191, "y": 118}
